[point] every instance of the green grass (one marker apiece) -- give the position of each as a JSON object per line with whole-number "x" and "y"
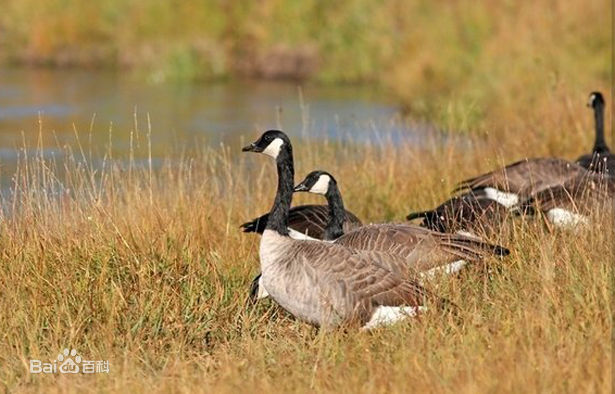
{"x": 147, "y": 268}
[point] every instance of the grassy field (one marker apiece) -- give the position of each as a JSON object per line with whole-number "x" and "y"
{"x": 460, "y": 63}
{"x": 147, "y": 268}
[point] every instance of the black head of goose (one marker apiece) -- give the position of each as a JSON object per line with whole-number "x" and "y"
{"x": 419, "y": 250}
{"x": 600, "y": 159}
{"x": 321, "y": 182}
{"x": 323, "y": 283}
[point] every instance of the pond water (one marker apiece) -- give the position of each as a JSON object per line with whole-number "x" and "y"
{"x": 100, "y": 106}
{"x": 180, "y": 113}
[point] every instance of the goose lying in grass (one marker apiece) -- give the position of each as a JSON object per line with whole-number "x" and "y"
{"x": 420, "y": 250}
{"x": 324, "y": 283}
{"x": 517, "y": 182}
{"x": 601, "y": 159}
{"x": 571, "y": 204}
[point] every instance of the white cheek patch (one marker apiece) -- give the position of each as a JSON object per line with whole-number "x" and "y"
{"x": 273, "y": 149}
{"x": 506, "y": 199}
{"x": 565, "y": 219}
{"x": 322, "y": 185}
{"x": 387, "y": 315}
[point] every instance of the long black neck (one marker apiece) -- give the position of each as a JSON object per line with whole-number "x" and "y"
{"x": 337, "y": 213}
{"x": 278, "y": 217}
{"x": 600, "y": 144}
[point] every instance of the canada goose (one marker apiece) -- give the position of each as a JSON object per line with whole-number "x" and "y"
{"x": 569, "y": 205}
{"x": 486, "y": 200}
{"x": 419, "y": 249}
{"x": 517, "y": 182}
{"x": 310, "y": 220}
{"x": 323, "y": 283}
{"x": 304, "y": 222}
{"x": 469, "y": 213}
{"x": 601, "y": 159}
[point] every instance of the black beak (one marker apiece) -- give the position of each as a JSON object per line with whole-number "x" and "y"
{"x": 249, "y": 148}
{"x": 301, "y": 188}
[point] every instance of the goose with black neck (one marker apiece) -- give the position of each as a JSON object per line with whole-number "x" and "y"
{"x": 322, "y": 283}
{"x": 600, "y": 159}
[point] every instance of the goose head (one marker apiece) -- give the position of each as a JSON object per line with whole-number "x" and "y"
{"x": 595, "y": 100}
{"x": 270, "y": 144}
{"x": 317, "y": 182}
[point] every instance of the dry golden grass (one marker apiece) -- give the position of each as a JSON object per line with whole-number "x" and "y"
{"x": 148, "y": 269}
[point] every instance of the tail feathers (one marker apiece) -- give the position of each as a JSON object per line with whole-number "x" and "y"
{"x": 255, "y": 226}
{"x": 416, "y": 215}
{"x": 500, "y": 250}
{"x": 249, "y": 227}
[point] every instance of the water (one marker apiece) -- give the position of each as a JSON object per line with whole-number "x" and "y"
{"x": 180, "y": 114}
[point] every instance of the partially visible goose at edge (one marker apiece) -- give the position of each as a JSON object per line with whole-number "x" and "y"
{"x": 601, "y": 159}
{"x": 571, "y": 204}
{"x": 420, "y": 250}
{"x": 323, "y": 283}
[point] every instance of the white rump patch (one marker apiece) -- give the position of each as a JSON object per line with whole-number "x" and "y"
{"x": 273, "y": 149}
{"x": 322, "y": 185}
{"x": 387, "y": 315}
{"x": 447, "y": 269}
{"x": 299, "y": 236}
{"x": 566, "y": 219}
{"x": 262, "y": 292}
{"x": 506, "y": 199}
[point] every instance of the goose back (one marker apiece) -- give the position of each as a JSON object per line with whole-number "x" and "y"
{"x": 419, "y": 249}
{"x": 523, "y": 178}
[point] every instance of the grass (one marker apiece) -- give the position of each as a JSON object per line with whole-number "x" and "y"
{"x": 459, "y": 63}
{"x": 145, "y": 267}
